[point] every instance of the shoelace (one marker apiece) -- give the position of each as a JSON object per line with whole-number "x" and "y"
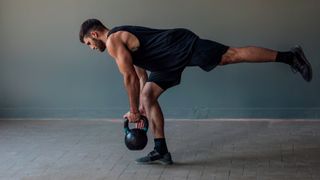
{"x": 295, "y": 66}
{"x": 152, "y": 153}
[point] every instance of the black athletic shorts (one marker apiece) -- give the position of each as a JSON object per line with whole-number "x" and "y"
{"x": 206, "y": 54}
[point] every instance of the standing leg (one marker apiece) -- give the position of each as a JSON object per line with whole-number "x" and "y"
{"x": 150, "y": 95}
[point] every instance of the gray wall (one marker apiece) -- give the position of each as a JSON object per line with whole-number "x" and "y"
{"x": 46, "y": 72}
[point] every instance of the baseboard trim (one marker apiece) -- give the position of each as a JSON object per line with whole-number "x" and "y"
{"x": 169, "y": 113}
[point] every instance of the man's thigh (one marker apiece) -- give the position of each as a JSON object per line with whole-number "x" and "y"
{"x": 207, "y": 54}
{"x": 166, "y": 80}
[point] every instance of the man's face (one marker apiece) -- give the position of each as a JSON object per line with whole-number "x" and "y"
{"x": 95, "y": 43}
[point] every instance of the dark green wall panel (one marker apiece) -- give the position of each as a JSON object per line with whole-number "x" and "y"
{"x": 46, "y": 72}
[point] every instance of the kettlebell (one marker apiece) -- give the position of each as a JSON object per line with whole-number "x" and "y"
{"x": 136, "y": 138}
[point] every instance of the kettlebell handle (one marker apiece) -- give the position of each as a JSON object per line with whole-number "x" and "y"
{"x": 143, "y": 118}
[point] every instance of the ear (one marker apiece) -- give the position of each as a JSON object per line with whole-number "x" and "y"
{"x": 94, "y": 34}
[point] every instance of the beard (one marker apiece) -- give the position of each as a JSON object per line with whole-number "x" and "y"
{"x": 100, "y": 45}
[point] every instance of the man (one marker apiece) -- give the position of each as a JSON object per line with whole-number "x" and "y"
{"x": 165, "y": 53}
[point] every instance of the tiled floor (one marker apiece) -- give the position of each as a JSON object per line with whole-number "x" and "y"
{"x": 201, "y": 149}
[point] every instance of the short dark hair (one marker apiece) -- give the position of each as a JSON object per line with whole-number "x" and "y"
{"x": 89, "y": 25}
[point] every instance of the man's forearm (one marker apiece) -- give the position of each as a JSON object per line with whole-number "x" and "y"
{"x": 131, "y": 83}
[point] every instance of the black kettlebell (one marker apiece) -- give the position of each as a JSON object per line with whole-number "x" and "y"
{"x": 136, "y": 138}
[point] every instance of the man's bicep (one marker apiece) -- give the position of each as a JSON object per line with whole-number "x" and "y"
{"x": 125, "y": 65}
{"x": 123, "y": 59}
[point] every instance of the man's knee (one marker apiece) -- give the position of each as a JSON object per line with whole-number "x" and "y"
{"x": 233, "y": 55}
{"x": 150, "y": 94}
{"x": 147, "y": 98}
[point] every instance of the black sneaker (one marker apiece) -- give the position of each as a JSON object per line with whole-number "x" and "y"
{"x": 301, "y": 64}
{"x": 154, "y": 157}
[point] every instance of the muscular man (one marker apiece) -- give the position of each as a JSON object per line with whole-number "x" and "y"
{"x": 165, "y": 53}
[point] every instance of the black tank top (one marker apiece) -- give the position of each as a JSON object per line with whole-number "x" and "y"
{"x": 160, "y": 49}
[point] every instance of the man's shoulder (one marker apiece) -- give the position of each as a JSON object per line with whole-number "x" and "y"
{"x": 116, "y": 39}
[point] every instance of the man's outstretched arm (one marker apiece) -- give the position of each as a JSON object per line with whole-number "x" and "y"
{"x": 124, "y": 61}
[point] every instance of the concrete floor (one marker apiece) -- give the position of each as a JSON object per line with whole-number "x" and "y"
{"x": 201, "y": 149}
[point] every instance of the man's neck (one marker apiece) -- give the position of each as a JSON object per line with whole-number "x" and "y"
{"x": 104, "y": 36}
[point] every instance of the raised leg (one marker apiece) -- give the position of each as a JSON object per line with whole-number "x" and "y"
{"x": 295, "y": 58}
{"x": 249, "y": 54}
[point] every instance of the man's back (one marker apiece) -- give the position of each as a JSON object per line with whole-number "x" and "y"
{"x": 160, "y": 49}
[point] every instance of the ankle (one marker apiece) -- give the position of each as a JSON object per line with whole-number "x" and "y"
{"x": 285, "y": 57}
{"x": 160, "y": 146}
